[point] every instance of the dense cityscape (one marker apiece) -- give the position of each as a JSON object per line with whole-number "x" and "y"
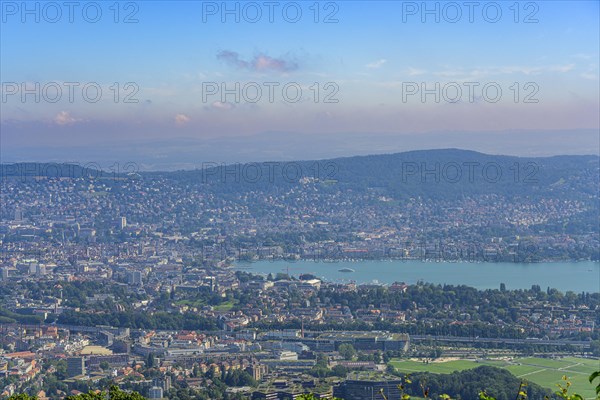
{"x": 299, "y": 200}
{"x": 135, "y": 279}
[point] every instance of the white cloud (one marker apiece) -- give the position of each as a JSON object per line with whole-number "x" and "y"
{"x": 588, "y": 75}
{"x": 376, "y": 64}
{"x": 181, "y": 119}
{"x": 221, "y": 105}
{"x": 562, "y": 68}
{"x": 260, "y": 62}
{"x": 503, "y": 70}
{"x": 64, "y": 118}
{"x": 415, "y": 71}
{"x": 582, "y": 56}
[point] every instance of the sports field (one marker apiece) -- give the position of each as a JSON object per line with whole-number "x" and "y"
{"x": 543, "y": 371}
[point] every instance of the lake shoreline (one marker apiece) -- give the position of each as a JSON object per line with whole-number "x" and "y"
{"x": 574, "y": 276}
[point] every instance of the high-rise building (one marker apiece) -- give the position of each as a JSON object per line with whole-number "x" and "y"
{"x": 33, "y": 267}
{"x": 368, "y": 389}
{"x": 164, "y": 383}
{"x": 134, "y": 278}
{"x": 4, "y": 273}
{"x": 121, "y": 346}
{"x": 18, "y": 215}
{"x": 257, "y": 370}
{"x": 40, "y": 269}
{"x": 210, "y": 282}
{"x": 75, "y": 366}
{"x": 155, "y": 392}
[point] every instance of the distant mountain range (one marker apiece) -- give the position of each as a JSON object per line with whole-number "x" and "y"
{"x": 429, "y": 173}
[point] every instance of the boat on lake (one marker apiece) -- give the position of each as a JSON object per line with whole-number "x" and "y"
{"x": 346, "y": 270}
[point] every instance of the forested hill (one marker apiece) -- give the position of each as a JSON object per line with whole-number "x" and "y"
{"x": 437, "y": 174}
{"x": 446, "y": 174}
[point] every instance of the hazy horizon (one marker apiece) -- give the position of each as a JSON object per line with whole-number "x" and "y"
{"x": 245, "y": 82}
{"x": 189, "y": 153}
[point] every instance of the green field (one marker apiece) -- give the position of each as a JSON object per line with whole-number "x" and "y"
{"x": 543, "y": 371}
{"x": 225, "y": 306}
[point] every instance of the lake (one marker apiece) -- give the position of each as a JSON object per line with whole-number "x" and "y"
{"x": 575, "y": 276}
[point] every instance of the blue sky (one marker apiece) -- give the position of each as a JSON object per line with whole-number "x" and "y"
{"x": 368, "y": 61}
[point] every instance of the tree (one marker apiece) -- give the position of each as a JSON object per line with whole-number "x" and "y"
{"x": 347, "y": 351}
{"x": 340, "y": 370}
{"x": 114, "y": 393}
{"x": 310, "y": 396}
{"x": 377, "y": 357}
{"x": 22, "y": 396}
{"x": 322, "y": 360}
{"x": 593, "y": 376}
{"x": 595, "y": 348}
{"x": 280, "y": 276}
